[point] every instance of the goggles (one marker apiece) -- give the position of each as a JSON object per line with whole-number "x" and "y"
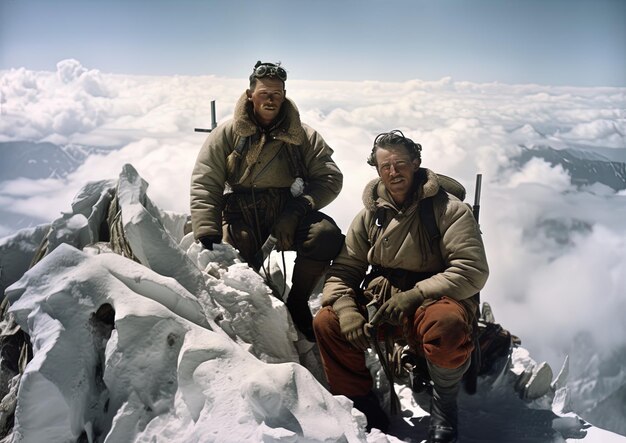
{"x": 270, "y": 70}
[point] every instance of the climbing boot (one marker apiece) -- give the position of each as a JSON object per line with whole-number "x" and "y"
{"x": 306, "y": 275}
{"x": 443, "y": 415}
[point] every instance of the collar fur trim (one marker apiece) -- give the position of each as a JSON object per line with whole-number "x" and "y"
{"x": 289, "y": 129}
{"x": 375, "y": 190}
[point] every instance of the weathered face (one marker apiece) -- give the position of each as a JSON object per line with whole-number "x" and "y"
{"x": 267, "y": 98}
{"x": 397, "y": 171}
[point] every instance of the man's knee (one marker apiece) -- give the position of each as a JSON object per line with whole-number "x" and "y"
{"x": 445, "y": 334}
{"x": 325, "y": 323}
{"x": 319, "y": 237}
{"x": 241, "y": 237}
{"x": 444, "y": 317}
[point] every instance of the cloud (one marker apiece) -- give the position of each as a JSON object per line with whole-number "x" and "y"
{"x": 548, "y": 244}
{"x": 539, "y": 171}
{"x": 611, "y": 133}
{"x": 69, "y": 70}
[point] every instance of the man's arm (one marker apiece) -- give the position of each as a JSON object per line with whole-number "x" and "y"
{"x": 207, "y": 183}
{"x": 325, "y": 180}
{"x": 344, "y": 277}
{"x": 463, "y": 252}
{"x": 349, "y": 267}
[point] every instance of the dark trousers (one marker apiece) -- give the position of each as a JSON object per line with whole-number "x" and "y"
{"x": 249, "y": 219}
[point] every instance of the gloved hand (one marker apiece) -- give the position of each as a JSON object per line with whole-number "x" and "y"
{"x": 285, "y": 227}
{"x": 209, "y": 240}
{"x": 351, "y": 322}
{"x": 401, "y": 304}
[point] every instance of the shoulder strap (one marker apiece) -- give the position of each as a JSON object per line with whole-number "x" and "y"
{"x": 295, "y": 158}
{"x": 427, "y": 217}
{"x": 241, "y": 146}
{"x": 427, "y": 211}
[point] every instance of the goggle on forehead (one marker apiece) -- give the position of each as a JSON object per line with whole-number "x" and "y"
{"x": 269, "y": 70}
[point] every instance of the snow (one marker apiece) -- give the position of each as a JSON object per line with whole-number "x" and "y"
{"x": 190, "y": 345}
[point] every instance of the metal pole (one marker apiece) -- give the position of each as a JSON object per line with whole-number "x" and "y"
{"x": 476, "y": 208}
{"x": 213, "y": 120}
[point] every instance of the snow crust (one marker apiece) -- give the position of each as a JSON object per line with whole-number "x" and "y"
{"x": 190, "y": 345}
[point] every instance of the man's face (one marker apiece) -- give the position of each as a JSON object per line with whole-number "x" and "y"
{"x": 267, "y": 98}
{"x": 396, "y": 170}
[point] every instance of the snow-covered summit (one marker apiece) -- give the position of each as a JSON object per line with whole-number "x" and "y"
{"x": 138, "y": 334}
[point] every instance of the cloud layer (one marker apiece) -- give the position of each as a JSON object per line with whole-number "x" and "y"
{"x": 557, "y": 254}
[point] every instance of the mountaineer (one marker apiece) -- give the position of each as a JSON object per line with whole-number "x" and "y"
{"x": 421, "y": 288}
{"x": 266, "y": 173}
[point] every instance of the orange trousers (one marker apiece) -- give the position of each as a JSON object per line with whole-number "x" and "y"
{"x": 441, "y": 332}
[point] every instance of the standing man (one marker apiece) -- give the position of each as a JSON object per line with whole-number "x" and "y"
{"x": 424, "y": 286}
{"x": 265, "y": 172}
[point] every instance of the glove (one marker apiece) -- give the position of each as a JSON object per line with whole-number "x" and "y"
{"x": 400, "y": 305}
{"x": 209, "y": 240}
{"x": 351, "y": 322}
{"x": 285, "y": 227}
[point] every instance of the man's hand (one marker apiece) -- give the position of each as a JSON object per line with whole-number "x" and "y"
{"x": 209, "y": 240}
{"x": 285, "y": 227}
{"x": 400, "y": 305}
{"x": 351, "y": 322}
{"x": 285, "y": 230}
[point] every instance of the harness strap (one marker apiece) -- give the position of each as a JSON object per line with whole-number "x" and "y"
{"x": 427, "y": 217}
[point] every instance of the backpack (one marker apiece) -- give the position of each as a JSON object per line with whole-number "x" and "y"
{"x": 427, "y": 212}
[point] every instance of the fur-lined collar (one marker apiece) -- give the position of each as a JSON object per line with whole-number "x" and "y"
{"x": 375, "y": 193}
{"x": 289, "y": 129}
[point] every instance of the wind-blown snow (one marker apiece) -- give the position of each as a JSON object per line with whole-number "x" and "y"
{"x": 123, "y": 353}
{"x": 166, "y": 375}
{"x": 161, "y": 367}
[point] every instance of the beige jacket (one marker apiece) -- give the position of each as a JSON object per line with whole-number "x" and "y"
{"x": 459, "y": 261}
{"x": 267, "y": 164}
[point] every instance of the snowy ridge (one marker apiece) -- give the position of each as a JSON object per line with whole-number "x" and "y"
{"x": 189, "y": 345}
{"x": 586, "y": 167}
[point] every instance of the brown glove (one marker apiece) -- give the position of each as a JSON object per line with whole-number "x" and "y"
{"x": 351, "y": 322}
{"x": 402, "y": 304}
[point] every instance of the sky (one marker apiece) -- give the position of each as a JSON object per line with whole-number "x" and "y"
{"x": 549, "y": 42}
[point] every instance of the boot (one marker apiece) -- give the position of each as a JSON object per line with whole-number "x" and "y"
{"x": 370, "y": 406}
{"x": 443, "y": 415}
{"x": 306, "y": 275}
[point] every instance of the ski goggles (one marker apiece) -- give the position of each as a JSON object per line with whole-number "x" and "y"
{"x": 270, "y": 70}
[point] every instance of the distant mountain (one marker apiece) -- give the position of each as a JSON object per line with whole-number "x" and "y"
{"x": 586, "y": 166}
{"x": 42, "y": 160}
